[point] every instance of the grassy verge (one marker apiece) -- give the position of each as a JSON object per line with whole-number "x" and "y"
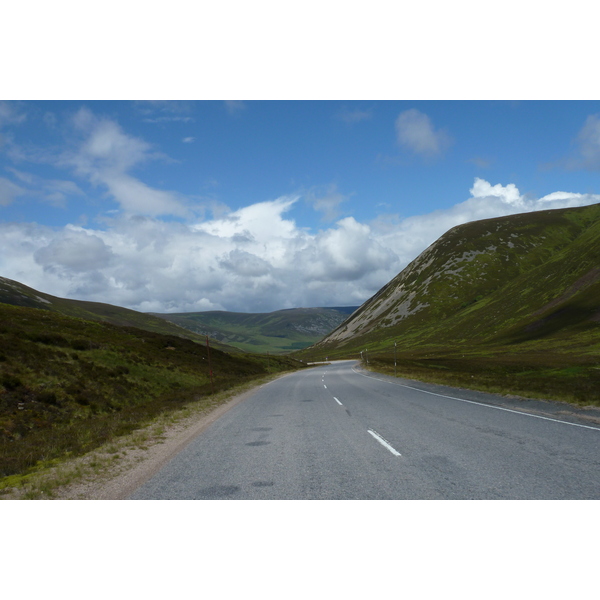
{"x": 551, "y": 376}
{"x": 55, "y": 479}
{"x": 68, "y": 386}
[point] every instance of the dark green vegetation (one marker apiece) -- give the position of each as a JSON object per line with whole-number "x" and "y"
{"x": 509, "y": 304}
{"x": 68, "y": 385}
{"x": 13, "y": 292}
{"x": 277, "y": 332}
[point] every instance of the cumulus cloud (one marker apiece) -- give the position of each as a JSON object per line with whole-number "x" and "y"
{"x": 74, "y": 250}
{"x": 253, "y": 259}
{"x": 416, "y": 133}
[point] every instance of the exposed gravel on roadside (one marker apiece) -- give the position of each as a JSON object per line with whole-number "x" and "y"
{"x": 141, "y": 464}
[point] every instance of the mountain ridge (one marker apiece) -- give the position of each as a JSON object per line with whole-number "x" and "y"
{"x": 510, "y": 305}
{"x": 278, "y": 331}
{"x": 431, "y": 286}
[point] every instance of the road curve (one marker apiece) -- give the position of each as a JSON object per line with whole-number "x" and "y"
{"x": 338, "y": 432}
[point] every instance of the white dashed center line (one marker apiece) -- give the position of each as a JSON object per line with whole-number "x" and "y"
{"x": 338, "y": 401}
{"x": 384, "y": 443}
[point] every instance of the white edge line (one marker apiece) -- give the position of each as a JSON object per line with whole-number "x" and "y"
{"x": 517, "y": 412}
{"x": 338, "y": 401}
{"x": 384, "y": 442}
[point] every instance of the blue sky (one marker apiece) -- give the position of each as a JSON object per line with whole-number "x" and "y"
{"x": 356, "y": 138}
{"x": 261, "y": 205}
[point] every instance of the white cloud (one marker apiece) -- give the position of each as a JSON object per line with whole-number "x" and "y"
{"x": 188, "y": 140}
{"x": 106, "y": 154}
{"x": 416, "y": 133}
{"x": 508, "y": 195}
{"x": 251, "y": 260}
{"x": 74, "y": 250}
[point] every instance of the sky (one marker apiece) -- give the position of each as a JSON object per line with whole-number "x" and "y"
{"x": 256, "y": 157}
{"x": 254, "y": 206}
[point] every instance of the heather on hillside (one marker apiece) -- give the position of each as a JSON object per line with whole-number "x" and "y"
{"x": 67, "y": 385}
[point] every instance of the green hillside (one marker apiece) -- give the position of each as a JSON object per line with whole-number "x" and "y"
{"x": 68, "y": 385}
{"x": 511, "y": 302}
{"x": 277, "y": 332}
{"x": 17, "y": 294}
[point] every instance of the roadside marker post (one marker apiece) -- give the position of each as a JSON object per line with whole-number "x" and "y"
{"x": 395, "y": 359}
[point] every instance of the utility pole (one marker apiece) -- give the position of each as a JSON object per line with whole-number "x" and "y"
{"x": 212, "y": 387}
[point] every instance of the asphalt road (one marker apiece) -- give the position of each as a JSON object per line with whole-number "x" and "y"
{"x": 337, "y": 432}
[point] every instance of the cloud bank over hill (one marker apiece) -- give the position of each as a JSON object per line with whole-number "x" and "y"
{"x": 251, "y": 260}
{"x": 152, "y": 248}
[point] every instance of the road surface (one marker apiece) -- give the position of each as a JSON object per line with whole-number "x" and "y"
{"x": 339, "y": 432}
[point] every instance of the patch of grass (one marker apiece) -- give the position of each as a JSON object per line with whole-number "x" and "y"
{"x": 53, "y": 478}
{"x": 55, "y": 403}
{"x": 529, "y": 375}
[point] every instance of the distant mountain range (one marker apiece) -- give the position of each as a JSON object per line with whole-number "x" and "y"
{"x": 527, "y": 282}
{"x": 17, "y": 294}
{"x": 277, "y": 332}
{"x": 281, "y": 331}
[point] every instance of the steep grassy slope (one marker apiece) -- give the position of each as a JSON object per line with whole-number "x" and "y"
{"x": 519, "y": 290}
{"x": 17, "y": 294}
{"x": 67, "y": 384}
{"x": 276, "y": 332}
